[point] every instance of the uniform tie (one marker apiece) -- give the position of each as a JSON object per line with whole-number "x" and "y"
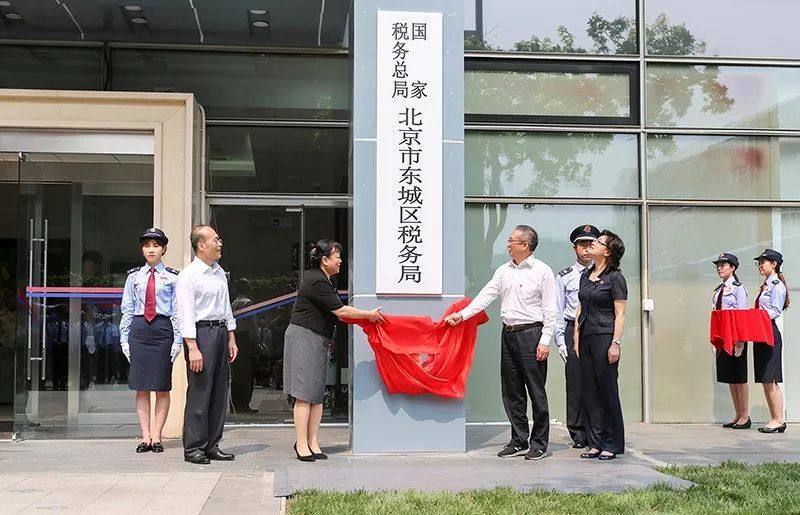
{"x": 150, "y": 297}
{"x": 719, "y": 297}
{"x": 758, "y": 297}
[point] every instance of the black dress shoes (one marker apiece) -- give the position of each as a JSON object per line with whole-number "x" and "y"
{"x": 144, "y": 447}
{"x": 729, "y": 425}
{"x": 746, "y": 425}
{"x": 777, "y": 429}
{"x": 218, "y": 455}
{"x": 197, "y": 459}
{"x": 308, "y": 458}
{"x": 157, "y": 447}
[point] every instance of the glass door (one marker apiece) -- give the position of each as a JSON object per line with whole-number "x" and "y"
{"x": 79, "y": 216}
{"x": 266, "y": 254}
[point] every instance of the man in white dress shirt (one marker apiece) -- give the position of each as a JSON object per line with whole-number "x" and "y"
{"x": 526, "y": 287}
{"x": 207, "y": 327}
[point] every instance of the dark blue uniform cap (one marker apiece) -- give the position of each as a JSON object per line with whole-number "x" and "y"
{"x": 154, "y": 233}
{"x": 770, "y": 255}
{"x": 727, "y": 257}
{"x": 584, "y": 233}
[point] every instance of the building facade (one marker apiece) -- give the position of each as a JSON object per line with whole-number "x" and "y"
{"x": 653, "y": 118}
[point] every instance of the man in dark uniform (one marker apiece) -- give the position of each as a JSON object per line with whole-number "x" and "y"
{"x": 567, "y": 286}
{"x": 207, "y": 327}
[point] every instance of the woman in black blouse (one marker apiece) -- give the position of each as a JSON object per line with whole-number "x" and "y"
{"x": 598, "y": 336}
{"x": 306, "y": 343}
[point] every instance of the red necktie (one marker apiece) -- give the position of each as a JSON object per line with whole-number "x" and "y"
{"x": 719, "y": 297}
{"x": 758, "y": 298}
{"x": 150, "y": 297}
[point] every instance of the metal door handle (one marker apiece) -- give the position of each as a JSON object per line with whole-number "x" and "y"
{"x": 30, "y": 284}
{"x": 43, "y": 365}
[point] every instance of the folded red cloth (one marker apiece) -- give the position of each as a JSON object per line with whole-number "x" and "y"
{"x": 729, "y": 326}
{"x": 400, "y": 343}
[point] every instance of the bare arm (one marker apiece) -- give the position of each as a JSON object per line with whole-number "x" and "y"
{"x": 358, "y": 314}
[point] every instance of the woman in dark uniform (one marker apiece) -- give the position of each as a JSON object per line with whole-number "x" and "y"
{"x": 598, "y": 335}
{"x": 306, "y": 343}
{"x": 773, "y": 297}
{"x": 732, "y": 369}
{"x": 150, "y": 336}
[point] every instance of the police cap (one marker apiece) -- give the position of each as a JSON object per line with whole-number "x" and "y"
{"x": 584, "y": 233}
{"x": 727, "y": 257}
{"x": 770, "y": 255}
{"x": 154, "y": 233}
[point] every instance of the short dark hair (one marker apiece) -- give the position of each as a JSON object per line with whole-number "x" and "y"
{"x": 529, "y": 235}
{"x": 616, "y": 248}
{"x": 196, "y": 236}
{"x": 324, "y": 248}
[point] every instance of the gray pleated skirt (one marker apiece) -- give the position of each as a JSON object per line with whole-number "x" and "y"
{"x": 305, "y": 364}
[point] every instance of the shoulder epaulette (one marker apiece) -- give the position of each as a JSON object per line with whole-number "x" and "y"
{"x": 718, "y": 287}
{"x": 737, "y": 283}
{"x": 172, "y": 270}
{"x": 132, "y": 270}
{"x": 775, "y": 281}
{"x": 565, "y": 271}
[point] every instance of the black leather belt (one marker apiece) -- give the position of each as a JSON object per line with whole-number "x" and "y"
{"x": 212, "y": 323}
{"x": 521, "y": 327}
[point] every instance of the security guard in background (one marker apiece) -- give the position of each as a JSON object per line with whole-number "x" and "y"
{"x": 567, "y": 285}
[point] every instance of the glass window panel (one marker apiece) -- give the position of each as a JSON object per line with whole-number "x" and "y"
{"x": 33, "y": 67}
{"x": 723, "y": 96}
{"x": 552, "y": 164}
{"x": 723, "y": 167}
{"x": 683, "y": 242}
{"x": 486, "y": 250}
{"x": 567, "y": 27}
{"x": 242, "y": 85}
{"x": 558, "y": 93}
{"x": 278, "y": 159}
{"x": 749, "y": 29}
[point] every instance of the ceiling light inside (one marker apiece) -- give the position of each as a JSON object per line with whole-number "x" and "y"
{"x": 133, "y": 7}
{"x": 139, "y": 20}
{"x": 258, "y": 12}
{"x": 260, "y": 24}
{"x": 13, "y": 16}
{"x": 5, "y": 3}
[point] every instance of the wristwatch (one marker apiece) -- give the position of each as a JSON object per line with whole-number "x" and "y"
{"x": 618, "y": 342}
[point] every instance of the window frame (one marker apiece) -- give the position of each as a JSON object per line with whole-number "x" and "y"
{"x": 629, "y": 68}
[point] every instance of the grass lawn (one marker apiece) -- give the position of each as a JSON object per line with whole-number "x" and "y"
{"x": 730, "y": 488}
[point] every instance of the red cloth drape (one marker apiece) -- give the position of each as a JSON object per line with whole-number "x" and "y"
{"x": 399, "y": 342}
{"x": 729, "y": 326}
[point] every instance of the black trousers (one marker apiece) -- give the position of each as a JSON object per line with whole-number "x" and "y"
{"x": 572, "y": 373}
{"x": 604, "y": 426}
{"x": 519, "y": 371}
{"x": 207, "y": 394}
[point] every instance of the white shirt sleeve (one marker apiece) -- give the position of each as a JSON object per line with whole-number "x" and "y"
{"x": 185, "y": 297}
{"x": 561, "y": 302}
{"x": 548, "y": 306}
{"x": 486, "y": 296}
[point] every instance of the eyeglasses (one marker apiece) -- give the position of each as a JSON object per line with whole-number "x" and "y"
{"x": 510, "y": 241}
{"x": 600, "y": 243}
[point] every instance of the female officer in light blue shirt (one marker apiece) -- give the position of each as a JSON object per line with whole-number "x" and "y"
{"x": 732, "y": 369}
{"x": 767, "y": 363}
{"x": 150, "y": 335}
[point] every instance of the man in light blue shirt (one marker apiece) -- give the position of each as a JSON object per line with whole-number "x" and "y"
{"x": 567, "y": 285}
